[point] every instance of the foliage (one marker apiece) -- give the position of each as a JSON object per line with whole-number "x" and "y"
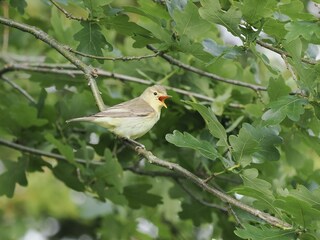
{"x": 249, "y": 123}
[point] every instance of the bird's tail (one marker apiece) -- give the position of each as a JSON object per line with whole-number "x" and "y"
{"x": 80, "y": 119}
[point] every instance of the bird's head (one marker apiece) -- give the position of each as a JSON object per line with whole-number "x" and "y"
{"x": 155, "y": 96}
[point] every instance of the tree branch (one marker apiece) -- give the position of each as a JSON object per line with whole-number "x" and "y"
{"x": 6, "y": 31}
{"x": 211, "y": 205}
{"x": 125, "y": 58}
{"x": 19, "y": 89}
{"x": 198, "y": 71}
{"x": 89, "y": 72}
{"x": 66, "y": 13}
{"x": 43, "y": 153}
{"x": 70, "y": 70}
{"x": 281, "y": 52}
{"x": 201, "y": 183}
{"x": 171, "y": 166}
{"x": 79, "y": 160}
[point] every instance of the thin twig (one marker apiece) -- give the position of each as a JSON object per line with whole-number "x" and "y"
{"x": 212, "y": 76}
{"x": 43, "y": 153}
{"x": 152, "y": 173}
{"x": 233, "y": 213}
{"x": 66, "y": 13}
{"x": 19, "y": 89}
{"x": 294, "y": 76}
{"x": 200, "y": 182}
{"x": 38, "y": 152}
{"x": 88, "y": 72}
{"x": 125, "y": 58}
{"x": 71, "y": 71}
{"x": 211, "y": 205}
{"x": 282, "y": 52}
{"x": 6, "y": 31}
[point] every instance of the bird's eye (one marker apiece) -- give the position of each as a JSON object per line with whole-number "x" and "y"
{"x": 155, "y": 93}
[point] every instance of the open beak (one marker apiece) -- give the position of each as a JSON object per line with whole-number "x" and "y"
{"x": 162, "y": 98}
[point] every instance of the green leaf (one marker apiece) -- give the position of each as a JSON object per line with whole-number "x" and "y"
{"x": 197, "y": 212}
{"x": 255, "y": 142}
{"x": 215, "y": 127}
{"x": 304, "y": 194}
{"x": 277, "y": 88}
{"x": 301, "y": 211}
{"x": 193, "y": 48}
{"x": 263, "y": 233}
{"x": 69, "y": 175}
{"x": 308, "y": 75}
{"x": 295, "y": 9}
{"x": 286, "y": 106}
{"x": 20, "y": 5}
{"x": 15, "y": 174}
{"x": 64, "y": 149}
{"x": 254, "y": 10}
{"x": 95, "y": 7}
{"x": 275, "y": 28}
{"x": 212, "y": 12}
{"x": 216, "y": 50}
{"x": 91, "y": 40}
{"x": 122, "y": 25}
{"x": 137, "y": 196}
{"x": 307, "y": 30}
{"x": 256, "y": 188}
{"x": 189, "y": 23}
{"x": 111, "y": 171}
{"x": 186, "y": 140}
{"x": 26, "y": 116}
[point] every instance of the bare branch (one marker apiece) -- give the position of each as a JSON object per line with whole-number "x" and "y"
{"x": 281, "y": 52}
{"x": 198, "y": 71}
{"x": 66, "y": 13}
{"x": 211, "y": 205}
{"x": 6, "y": 31}
{"x": 200, "y": 182}
{"x": 19, "y": 89}
{"x": 72, "y": 71}
{"x": 43, "y": 153}
{"x": 93, "y": 162}
{"x": 125, "y": 58}
{"x": 89, "y": 72}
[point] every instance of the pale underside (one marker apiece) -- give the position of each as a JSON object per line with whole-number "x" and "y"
{"x": 131, "y": 119}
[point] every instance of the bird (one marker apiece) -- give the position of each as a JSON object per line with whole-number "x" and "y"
{"x": 134, "y": 118}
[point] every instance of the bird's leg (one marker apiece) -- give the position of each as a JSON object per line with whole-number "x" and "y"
{"x": 138, "y": 145}
{"x": 115, "y": 148}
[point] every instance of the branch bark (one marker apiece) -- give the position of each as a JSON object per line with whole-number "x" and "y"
{"x": 70, "y": 70}
{"x": 88, "y": 72}
{"x": 124, "y": 58}
{"x": 202, "y": 184}
{"x": 19, "y": 89}
{"x": 200, "y": 72}
{"x": 177, "y": 169}
{"x": 281, "y": 52}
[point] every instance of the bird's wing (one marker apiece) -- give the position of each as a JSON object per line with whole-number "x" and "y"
{"x": 136, "y": 107}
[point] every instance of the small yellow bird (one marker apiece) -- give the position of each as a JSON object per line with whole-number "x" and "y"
{"x": 133, "y": 118}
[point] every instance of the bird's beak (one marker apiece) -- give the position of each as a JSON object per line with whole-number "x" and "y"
{"x": 162, "y": 98}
